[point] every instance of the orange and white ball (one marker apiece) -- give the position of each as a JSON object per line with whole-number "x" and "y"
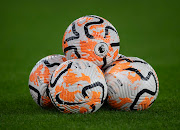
{"x": 40, "y": 77}
{"x": 92, "y": 38}
{"x": 132, "y": 84}
{"x": 78, "y": 86}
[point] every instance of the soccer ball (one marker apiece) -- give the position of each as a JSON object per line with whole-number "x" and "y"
{"x": 78, "y": 86}
{"x": 40, "y": 76}
{"x": 92, "y": 38}
{"x": 132, "y": 84}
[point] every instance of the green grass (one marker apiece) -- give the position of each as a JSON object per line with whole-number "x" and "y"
{"x": 31, "y": 30}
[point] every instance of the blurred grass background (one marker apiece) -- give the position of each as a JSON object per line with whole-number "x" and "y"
{"x": 33, "y": 29}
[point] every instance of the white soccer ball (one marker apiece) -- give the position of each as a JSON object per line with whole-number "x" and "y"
{"x": 132, "y": 84}
{"x": 92, "y": 38}
{"x": 40, "y": 76}
{"x": 78, "y": 86}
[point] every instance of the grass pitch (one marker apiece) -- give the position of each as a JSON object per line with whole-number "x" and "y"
{"x": 31, "y": 30}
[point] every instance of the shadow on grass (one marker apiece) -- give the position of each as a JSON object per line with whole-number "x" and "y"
{"x": 23, "y": 105}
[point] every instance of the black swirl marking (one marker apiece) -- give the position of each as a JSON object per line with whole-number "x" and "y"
{"x": 93, "y": 107}
{"x": 111, "y": 65}
{"x": 144, "y": 90}
{"x": 96, "y": 84}
{"x": 131, "y": 61}
{"x": 72, "y": 48}
{"x": 50, "y": 65}
{"x": 107, "y": 28}
{"x": 104, "y": 61}
{"x": 62, "y": 72}
{"x": 137, "y": 72}
{"x": 75, "y": 33}
{"x": 115, "y": 44}
{"x": 47, "y": 91}
{"x": 35, "y": 90}
{"x": 52, "y": 100}
{"x": 91, "y": 23}
{"x": 121, "y": 56}
{"x": 66, "y": 103}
